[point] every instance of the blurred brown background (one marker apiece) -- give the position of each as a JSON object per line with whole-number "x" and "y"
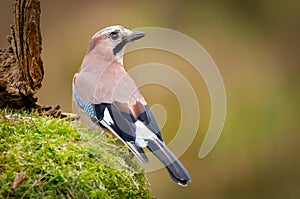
{"x": 256, "y": 46}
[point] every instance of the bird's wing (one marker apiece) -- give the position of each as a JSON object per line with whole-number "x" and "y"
{"x": 137, "y": 126}
{"x": 121, "y": 124}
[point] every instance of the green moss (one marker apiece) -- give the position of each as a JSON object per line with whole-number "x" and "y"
{"x": 62, "y": 159}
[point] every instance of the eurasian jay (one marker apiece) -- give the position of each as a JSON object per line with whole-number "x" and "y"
{"x": 110, "y": 98}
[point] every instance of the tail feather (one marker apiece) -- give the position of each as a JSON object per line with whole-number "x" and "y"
{"x": 176, "y": 170}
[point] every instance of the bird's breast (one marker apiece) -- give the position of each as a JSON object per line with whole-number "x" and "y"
{"x": 107, "y": 85}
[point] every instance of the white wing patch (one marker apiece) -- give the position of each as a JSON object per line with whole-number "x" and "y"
{"x": 142, "y": 133}
{"x": 107, "y": 118}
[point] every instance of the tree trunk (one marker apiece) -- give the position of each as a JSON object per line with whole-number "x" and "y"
{"x": 21, "y": 66}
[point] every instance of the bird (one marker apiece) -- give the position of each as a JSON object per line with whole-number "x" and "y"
{"x": 109, "y": 98}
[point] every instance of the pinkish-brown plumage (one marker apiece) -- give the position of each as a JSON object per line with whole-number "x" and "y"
{"x": 106, "y": 95}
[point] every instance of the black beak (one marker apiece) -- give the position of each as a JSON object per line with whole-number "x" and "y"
{"x": 126, "y": 39}
{"x": 134, "y": 36}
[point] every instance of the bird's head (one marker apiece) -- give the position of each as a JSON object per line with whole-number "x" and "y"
{"x": 110, "y": 42}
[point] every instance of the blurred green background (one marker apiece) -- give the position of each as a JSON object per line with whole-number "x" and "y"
{"x": 256, "y": 46}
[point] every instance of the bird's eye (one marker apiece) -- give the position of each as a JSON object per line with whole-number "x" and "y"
{"x": 114, "y": 35}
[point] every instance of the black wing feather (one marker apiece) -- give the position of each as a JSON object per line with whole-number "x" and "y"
{"x": 122, "y": 126}
{"x": 148, "y": 119}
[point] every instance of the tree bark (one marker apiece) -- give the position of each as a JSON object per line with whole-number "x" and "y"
{"x": 21, "y": 66}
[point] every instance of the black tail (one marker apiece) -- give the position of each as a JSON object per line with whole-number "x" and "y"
{"x": 176, "y": 170}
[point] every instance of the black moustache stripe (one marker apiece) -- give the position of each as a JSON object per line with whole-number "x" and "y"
{"x": 119, "y": 47}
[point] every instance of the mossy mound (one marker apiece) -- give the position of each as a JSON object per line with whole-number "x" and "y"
{"x": 62, "y": 159}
